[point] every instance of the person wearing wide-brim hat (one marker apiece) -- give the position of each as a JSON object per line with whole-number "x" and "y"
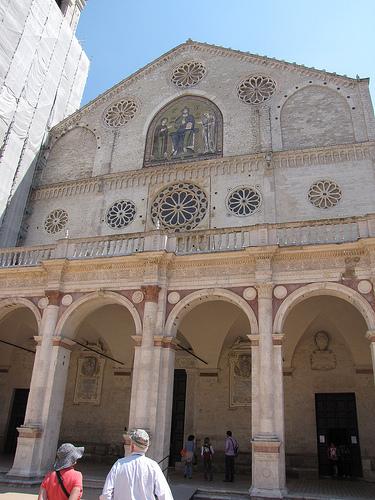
{"x": 63, "y": 482}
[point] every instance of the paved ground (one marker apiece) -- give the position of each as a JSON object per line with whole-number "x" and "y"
{"x": 183, "y": 489}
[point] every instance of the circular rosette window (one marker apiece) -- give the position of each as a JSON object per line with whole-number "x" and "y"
{"x": 188, "y": 74}
{"x": 243, "y": 201}
{"x": 120, "y": 214}
{"x": 119, "y": 113}
{"x": 256, "y": 89}
{"x": 56, "y": 221}
{"x": 324, "y": 194}
{"x": 179, "y": 207}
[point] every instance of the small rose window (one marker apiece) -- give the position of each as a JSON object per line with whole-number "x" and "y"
{"x": 56, "y": 221}
{"x": 243, "y": 201}
{"x": 120, "y": 214}
{"x": 188, "y": 74}
{"x": 119, "y": 113}
{"x": 256, "y": 89}
{"x": 324, "y": 194}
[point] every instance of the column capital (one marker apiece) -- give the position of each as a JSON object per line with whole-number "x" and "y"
{"x": 63, "y": 342}
{"x": 38, "y": 340}
{"x": 29, "y": 431}
{"x": 264, "y": 290}
{"x": 151, "y": 292}
{"x": 137, "y": 340}
{"x": 277, "y": 338}
{"x": 54, "y": 297}
{"x": 166, "y": 342}
{"x": 254, "y": 340}
{"x": 370, "y": 335}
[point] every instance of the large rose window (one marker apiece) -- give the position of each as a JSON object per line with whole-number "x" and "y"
{"x": 180, "y": 207}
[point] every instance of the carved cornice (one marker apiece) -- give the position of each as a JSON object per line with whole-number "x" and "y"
{"x": 205, "y": 169}
{"x": 192, "y": 46}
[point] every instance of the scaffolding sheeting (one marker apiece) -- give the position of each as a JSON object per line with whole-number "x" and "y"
{"x": 43, "y": 70}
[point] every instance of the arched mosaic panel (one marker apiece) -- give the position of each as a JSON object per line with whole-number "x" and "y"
{"x": 189, "y": 128}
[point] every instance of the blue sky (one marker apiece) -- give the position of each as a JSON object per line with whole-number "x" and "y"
{"x": 121, "y": 36}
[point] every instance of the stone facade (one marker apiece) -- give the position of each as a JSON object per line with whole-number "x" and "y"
{"x": 236, "y": 254}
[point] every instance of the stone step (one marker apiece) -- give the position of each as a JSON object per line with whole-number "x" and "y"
{"x": 219, "y": 495}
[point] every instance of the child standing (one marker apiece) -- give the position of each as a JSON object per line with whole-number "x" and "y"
{"x": 207, "y": 453}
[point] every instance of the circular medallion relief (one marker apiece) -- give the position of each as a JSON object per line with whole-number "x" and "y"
{"x": 364, "y": 286}
{"x": 243, "y": 201}
{"x": 43, "y": 302}
{"x": 56, "y": 221}
{"x": 67, "y": 300}
{"x": 120, "y": 113}
{"x": 324, "y": 194}
{"x": 188, "y": 74}
{"x": 181, "y": 206}
{"x": 137, "y": 297}
{"x": 174, "y": 297}
{"x": 256, "y": 89}
{"x": 120, "y": 214}
{"x": 249, "y": 293}
{"x": 280, "y": 292}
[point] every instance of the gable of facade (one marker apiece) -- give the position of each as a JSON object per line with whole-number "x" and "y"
{"x": 208, "y": 126}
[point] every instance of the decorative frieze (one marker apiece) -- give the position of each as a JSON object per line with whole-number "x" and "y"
{"x": 208, "y": 168}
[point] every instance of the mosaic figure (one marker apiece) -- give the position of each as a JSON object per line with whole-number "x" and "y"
{"x": 160, "y": 147}
{"x": 184, "y": 137}
{"x": 208, "y": 132}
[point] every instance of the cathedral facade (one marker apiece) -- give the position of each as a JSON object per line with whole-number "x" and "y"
{"x": 199, "y": 256}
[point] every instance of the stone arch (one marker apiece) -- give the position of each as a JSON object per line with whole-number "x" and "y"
{"x": 167, "y": 139}
{"x": 205, "y": 295}
{"x": 62, "y": 161}
{"x": 315, "y": 289}
{"x": 79, "y": 309}
{"x": 315, "y": 116}
{"x": 10, "y": 304}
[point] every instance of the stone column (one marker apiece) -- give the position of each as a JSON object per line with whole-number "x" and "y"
{"x": 279, "y": 414}
{"x": 371, "y": 337}
{"x": 163, "y": 420}
{"x": 266, "y": 441}
{"x": 152, "y": 385}
{"x": 38, "y": 436}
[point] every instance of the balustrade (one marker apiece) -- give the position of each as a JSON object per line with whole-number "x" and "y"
{"x": 193, "y": 242}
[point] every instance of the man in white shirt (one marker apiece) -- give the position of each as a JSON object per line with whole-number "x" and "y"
{"x": 136, "y": 477}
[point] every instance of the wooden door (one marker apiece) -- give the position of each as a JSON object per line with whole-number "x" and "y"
{"x": 336, "y": 422}
{"x": 178, "y": 416}
{"x": 17, "y": 418}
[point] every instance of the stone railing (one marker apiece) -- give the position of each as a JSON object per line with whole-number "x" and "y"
{"x": 25, "y": 256}
{"x": 193, "y": 242}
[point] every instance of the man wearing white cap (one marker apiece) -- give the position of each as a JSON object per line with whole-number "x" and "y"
{"x": 136, "y": 477}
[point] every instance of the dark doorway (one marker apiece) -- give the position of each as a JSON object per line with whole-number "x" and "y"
{"x": 17, "y": 418}
{"x": 336, "y": 422}
{"x": 178, "y": 416}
